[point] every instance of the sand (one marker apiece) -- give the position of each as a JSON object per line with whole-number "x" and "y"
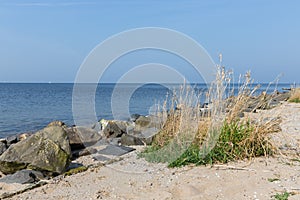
{"x": 135, "y": 178}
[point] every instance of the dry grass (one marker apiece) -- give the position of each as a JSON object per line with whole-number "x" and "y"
{"x": 189, "y": 136}
{"x": 295, "y": 95}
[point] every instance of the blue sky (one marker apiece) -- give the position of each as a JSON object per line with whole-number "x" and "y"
{"x": 42, "y": 41}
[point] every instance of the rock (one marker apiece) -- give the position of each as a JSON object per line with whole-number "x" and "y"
{"x": 48, "y": 150}
{"x": 23, "y": 136}
{"x": 74, "y": 139}
{"x": 134, "y": 117}
{"x": 277, "y": 98}
{"x": 129, "y": 140}
{"x": 143, "y": 132}
{"x": 83, "y": 152}
{"x": 103, "y": 123}
{"x": 2, "y": 147}
{"x": 114, "y": 141}
{"x": 115, "y": 129}
{"x": 22, "y": 177}
{"x": 81, "y": 137}
{"x": 56, "y": 123}
{"x": 114, "y": 150}
{"x": 143, "y": 121}
{"x": 148, "y": 122}
{"x": 11, "y": 140}
{"x": 282, "y": 96}
{"x": 76, "y": 170}
{"x": 138, "y": 136}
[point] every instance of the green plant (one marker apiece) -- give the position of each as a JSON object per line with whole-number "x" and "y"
{"x": 236, "y": 141}
{"x": 296, "y": 100}
{"x": 221, "y": 135}
{"x": 282, "y": 196}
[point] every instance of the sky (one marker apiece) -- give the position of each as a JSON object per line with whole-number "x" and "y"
{"x": 47, "y": 41}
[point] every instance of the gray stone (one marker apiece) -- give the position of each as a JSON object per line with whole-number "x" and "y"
{"x": 88, "y": 136}
{"x": 11, "y": 140}
{"x": 48, "y": 150}
{"x": 2, "y": 147}
{"x": 129, "y": 140}
{"x": 282, "y": 96}
{"x": 83, "y": 152}
{"x": 23, "y": 177}
{"x": 115, "y": 150}
{"x": 114, "y": 141}
{"x": 81, "y": 137}
{"x": 115, "y": 128}
{"x": 139, "y": 135}
{"x": 74, "y": 165}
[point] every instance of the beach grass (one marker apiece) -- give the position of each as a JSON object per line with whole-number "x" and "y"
{"x": 219, "y": 135}
{"x": 295, "y": 95}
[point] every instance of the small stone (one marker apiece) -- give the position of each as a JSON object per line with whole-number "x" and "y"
{"x": 11, "y": 140}
{"x": 23, "y": 177}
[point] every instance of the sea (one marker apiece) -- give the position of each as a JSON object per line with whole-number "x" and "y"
{"x": 28, "y": 107}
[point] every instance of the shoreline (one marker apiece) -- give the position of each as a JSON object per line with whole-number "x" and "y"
{"x": 31, "y": 123}
{"x": 131, "y": 177}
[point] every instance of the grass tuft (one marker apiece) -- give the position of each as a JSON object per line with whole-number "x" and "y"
{"x": 295, "y": 95}
{"x": 237, "y": 140}
{"x": 217, "y": 134}
{"x": 282, "y": 196}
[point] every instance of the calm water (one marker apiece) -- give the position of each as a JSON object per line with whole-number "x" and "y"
{"x": 29, "y": 107}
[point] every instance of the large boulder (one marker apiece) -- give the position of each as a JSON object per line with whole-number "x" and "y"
{"x": 81, "y": 137}
{"x": 47, "y": 150}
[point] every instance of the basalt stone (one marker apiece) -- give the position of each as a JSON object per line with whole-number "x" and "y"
{"x": 23, "y": 177}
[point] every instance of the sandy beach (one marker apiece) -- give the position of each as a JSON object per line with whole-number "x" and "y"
{"x": 130, "y": 177}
